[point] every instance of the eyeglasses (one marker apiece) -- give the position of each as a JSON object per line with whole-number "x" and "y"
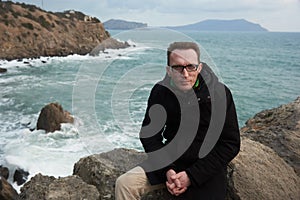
{"x": 189, "y": 67}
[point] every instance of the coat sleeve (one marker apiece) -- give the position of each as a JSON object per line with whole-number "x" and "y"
{"x": 226, "y": 148}
{"x": 151, "y": 138}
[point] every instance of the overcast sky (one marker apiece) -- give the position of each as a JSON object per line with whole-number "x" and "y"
{"x": 275, "y": 15}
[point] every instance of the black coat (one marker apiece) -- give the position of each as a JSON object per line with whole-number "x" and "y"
{"x": 177, "y": 141}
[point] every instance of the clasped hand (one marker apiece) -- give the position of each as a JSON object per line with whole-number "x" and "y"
{"x": 177, "y": 183}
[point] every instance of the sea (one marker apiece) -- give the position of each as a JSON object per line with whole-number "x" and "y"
{"x": 107, "y": 93}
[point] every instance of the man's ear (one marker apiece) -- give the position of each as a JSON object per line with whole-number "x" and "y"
{"x": 168, "y": 69}
{"x": 200, "y": 67}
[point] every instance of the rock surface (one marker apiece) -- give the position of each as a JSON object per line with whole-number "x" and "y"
{"x": 20, "y": 176}
{"x": 51, "y": 117}
{"x": 28, "y": 32}
{"x": 109, "y": 43}
{"x": 279, "y": 129}
{"x": 259, "y": 173}
{"x": 4, "y": 172}
{"x": 49, "y": 188}
{"x": 103, "y": 169}
{"x": 2, "y": 70}
{"x": 7, "y": 192}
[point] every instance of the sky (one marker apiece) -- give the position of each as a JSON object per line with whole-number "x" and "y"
{"x": 274, "y": 15}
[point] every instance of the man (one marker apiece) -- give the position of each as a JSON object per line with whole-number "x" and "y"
{"x": 190, "y": 132}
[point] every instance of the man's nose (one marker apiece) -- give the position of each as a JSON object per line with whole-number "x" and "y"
{"x": 185, "y": 72}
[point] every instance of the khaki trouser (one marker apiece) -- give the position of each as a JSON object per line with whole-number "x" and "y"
{"x": 133, "y": 184}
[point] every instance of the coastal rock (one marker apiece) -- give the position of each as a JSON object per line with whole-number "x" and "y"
{"x": 2, "y": 70}
{"x": 279, "y": 129}
{"x": 4, "y": 172}
{"x": 51, "y": 117}
{"x": 259, "y": 173}
{"x": 7, "y": 192}
{"x": 103, "y": 169}
{"x": 36, "y": 188}
{"x": 29, "y": 32}
{"x": 109, "y": 43}
{"x": 20, "y": 176}
{"x": 50, "y": 188}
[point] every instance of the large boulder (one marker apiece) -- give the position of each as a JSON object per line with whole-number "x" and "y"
{"x": 50, "y": 188}
{"x": 7, "y": 192}
{"x": 103, "y": 169}
{"x": 259, "y": 173}
{"x": 51, "y": 117}
{"x": 279, "y": 129}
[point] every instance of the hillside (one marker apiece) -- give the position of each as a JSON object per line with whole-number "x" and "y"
{"x": 117, "y": 24}
{"x": 28, "y": 31}
{"x": 221, "y": 25}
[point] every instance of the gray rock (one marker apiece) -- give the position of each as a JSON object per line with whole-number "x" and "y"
{"x": 279, "y": 129}
{"x": 37, "y": 187}
{"x": 50, "y": 188}
{"x": 259, "y": 173}
{"x": 103, "y": 169}
{"x": 109, "y": 43}
{"x": 71, "y": 187}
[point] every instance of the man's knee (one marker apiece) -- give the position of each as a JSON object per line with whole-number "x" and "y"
{"x": 121, "y": 181}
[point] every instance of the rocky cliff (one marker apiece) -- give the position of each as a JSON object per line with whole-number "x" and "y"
{"x": 28, "y": 31}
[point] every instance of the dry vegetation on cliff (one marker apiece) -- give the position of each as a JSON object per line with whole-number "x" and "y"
{"x": 28, "y": 31}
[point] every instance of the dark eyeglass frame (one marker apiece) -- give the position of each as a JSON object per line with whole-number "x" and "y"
{"x": 189, "y": 67}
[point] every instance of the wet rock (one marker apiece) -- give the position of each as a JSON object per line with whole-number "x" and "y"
{"x": 51, "y": 117}
{"x": 20, "y": 176}
{"x": 3, "y": 70}
{"x": 7, "y": 192}
{"x": 50, "y": 188}
{"x": 4, "y": 172}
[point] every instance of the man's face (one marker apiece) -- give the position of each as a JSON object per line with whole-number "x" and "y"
{"x": 184, "y": 80}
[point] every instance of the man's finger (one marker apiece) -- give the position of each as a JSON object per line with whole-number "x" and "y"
{"x": 177, "y": 183}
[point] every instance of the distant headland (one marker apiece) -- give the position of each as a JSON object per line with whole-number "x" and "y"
{"x": 206, "y": 25}
{"x": 118, "y": 24}
{"x": 221, "y": 25}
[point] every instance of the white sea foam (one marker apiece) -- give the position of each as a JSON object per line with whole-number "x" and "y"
{"x": 108, "y": 54}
